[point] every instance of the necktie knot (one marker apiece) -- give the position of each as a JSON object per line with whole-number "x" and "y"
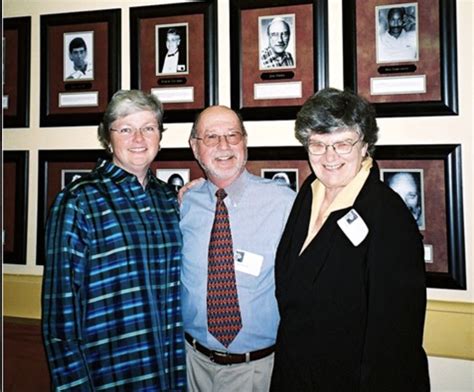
{"x": 221, "y": 194}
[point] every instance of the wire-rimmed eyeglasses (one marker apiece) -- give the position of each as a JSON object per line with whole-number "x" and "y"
{"x": 146, "y": 131}
{"x": 343, "y": 147}
{"x": 213, "y": 139}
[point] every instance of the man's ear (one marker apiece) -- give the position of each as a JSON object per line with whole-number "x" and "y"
{"x": 194, "y": 147}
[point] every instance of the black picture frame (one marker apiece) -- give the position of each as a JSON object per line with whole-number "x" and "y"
{"x": 107, "y": 59}
{"x": 205, "y": 82}
{"x": 15, "y": 206}
{"x": 448, "y": 83}
{"x": 448, "y": 156}
{"x": 320, "y": 59}
{"x": 17, "y": 72}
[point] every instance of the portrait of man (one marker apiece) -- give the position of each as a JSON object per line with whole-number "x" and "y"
{"x": 409, "y": 185}
{"x": 276, "y": 41}
{"x": 289, "y": 177}
{"x": 172, "y": 49}
{"x": 397, "y": 33}
{"x": 78, "y": 55}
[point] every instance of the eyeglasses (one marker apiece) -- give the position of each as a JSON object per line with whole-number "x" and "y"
{"x": 212, "y": 139}
{"x": 126, "y": 132}
{"x": 342, "y": 148}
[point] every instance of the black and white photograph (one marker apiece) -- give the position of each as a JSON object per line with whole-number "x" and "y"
{"x": 78, "y": 56}
{"x": 397, "y": 33}
{"x": 408, "y": 183}
{"x": 70, "y": 175}
{"x": 288, "y": 177}
{"x": 277, "y": 41}
{"x": 171, "y": 49}
{"x": 175, "y": 178}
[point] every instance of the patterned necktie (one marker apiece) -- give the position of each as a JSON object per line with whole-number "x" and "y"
{"x": 223, "y": 312}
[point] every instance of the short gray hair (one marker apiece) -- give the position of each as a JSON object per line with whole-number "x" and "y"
{"x": 124, "y": 103}
{"x": 331, "y": 110}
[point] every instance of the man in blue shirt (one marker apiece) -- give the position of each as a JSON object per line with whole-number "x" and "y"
{"x": 258, "y": 209}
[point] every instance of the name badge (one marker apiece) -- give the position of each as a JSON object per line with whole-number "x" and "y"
{"x": 248, "y": 262}
{"x": 353, "y": 227}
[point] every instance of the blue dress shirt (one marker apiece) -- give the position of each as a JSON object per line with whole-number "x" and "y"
{"x": 258, "y": 210}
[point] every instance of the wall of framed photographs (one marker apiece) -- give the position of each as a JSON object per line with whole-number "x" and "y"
{"x": 33, "y": 132}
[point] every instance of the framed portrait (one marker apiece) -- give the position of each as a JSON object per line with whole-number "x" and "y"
{"x": 78, "y": 52}
{"x": 16, "y": 72}
{"x": 174, "y": 56}
{"x": 80, "y": 66}
{"x": 15, "y": 202}
{"x": 408, "y": 183}
{"x": 171, "y": 49}
{"x": 274, "y": 34}
{"x": 279, "y": 56}
{"x": 396, "y": 33}
{"x": 428, "y": 178}
{"x": 401, "y": 55}
{"x": 288, "y": 177}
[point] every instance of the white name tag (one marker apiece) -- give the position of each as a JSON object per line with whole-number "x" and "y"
{"x": 353, "y": 227}
{"x": 248, "y": 262}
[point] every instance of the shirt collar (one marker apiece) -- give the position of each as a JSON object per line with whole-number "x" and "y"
{"x": 119, "y": 175}
{"x": 346, "y": 197}
{"x": 234, "y": 191}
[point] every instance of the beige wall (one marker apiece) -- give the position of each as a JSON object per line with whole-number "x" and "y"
{"x": 444, "y": 320}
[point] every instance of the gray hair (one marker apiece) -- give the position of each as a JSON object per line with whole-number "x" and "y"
{"x": 124, "y": 103}
{"x": 331, "y": 110}
{"x": 194, "y": 130}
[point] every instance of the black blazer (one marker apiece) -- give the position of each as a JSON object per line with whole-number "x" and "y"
{"x": 352, "y": 317}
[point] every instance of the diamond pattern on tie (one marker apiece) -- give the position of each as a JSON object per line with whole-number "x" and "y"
{"x": 223, "y": 311}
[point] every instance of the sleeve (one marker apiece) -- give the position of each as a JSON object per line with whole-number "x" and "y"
{"x": 393, "y": 357}
{"x": 66, "y": 255}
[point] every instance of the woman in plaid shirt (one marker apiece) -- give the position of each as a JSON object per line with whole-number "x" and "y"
{"x": 111, "y": 290}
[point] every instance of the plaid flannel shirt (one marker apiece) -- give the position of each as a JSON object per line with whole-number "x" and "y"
{"x": 111, "y": 293}
{"x": 271, "y": 60}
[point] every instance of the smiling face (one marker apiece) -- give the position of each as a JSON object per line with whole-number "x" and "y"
{"x": 134, "y": 152}
{"x": 335, "y": 171}
{"x": 395, "y": 21}
{"x": 224, "y": 162}
{"x": 279, "y": 36}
